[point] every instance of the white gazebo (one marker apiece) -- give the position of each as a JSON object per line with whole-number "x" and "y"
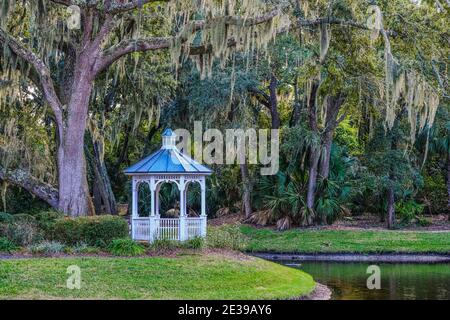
{"x": 168, "y": 164}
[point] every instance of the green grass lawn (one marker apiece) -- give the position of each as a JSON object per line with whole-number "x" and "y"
{"x": 313, "y": 241}
{"x": 199, "y": 276}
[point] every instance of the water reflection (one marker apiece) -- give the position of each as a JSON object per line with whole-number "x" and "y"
{"x": 398, "y": 281}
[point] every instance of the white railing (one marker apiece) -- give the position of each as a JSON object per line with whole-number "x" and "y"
{"x": 150, "y": 228}
{"x": 141, "y": 229}
{"x": 194, "y": 227}
{"x": 168, "y": 229}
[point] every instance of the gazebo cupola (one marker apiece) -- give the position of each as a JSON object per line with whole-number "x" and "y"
{"x": 167, "y": 165}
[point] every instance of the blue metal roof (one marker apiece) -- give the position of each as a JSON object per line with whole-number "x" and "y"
{"x": 167, "y": 160}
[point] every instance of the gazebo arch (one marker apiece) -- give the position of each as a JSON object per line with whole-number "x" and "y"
{"x": 168, "y": 164}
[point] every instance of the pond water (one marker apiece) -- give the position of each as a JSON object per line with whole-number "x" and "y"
{"x": 398, "y": 281}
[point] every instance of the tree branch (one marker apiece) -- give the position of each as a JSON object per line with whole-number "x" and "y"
{"x": 127, "y": 46}
{"x": 115, "y": 8}
{"x": 259, "y": 95}
{"x": 337, "y": 21}
{"x": 66, "y": 3}
{"x": 38, "y": 188}
{"x": 140, "y": 45}
{"x": 45, "y": 80}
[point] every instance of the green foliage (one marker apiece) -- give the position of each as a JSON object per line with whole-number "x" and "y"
{"x": 84, "y": 248}
{"x": 164, "y": 245}
{"x": 434, "y": 192}
{"x": 423, "y": 222}
{"x": 21, "y": 232}
{"x": 95, "y": 231}
{"x": 225, "y": 237}
{"x": 7, "y": 245}
{"x": 47, "y": 247}
{"x": 194, "y": 243}
{"x": 6, "y": 217}
{"x": 126, "y": 247}
{"x": 408, "y": 210}
{"x": 46, "y": 221}
{"x": 347, "y": 135}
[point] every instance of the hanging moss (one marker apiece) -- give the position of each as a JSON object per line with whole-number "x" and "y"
{"x": 324, "y": 31}
{"x": 218, "y": 33}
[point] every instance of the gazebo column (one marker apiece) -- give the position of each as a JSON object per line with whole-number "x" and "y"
{"x": 182, "y": 232}
{"x": 157, "y": 204}
{"x": 203, "y": 207}
{"x": 153, "y": 221}
{"x": 134, "y": 206}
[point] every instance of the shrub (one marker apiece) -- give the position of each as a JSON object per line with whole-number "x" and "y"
{"x": 21, "y": 232}
{"x": 94, "y": 231}
{"x": 226, "y": 237}
{"x": 46, "y": 221}
{"x": 423, "y": 222}
{"x": 23, "y": 217}
{"x": 84, "y": 248}
{"x": 164, "y": 245}
{"x": 194, "y": 243}
{"x": 6, "y": 245}
{"x": 126, "y": 247}
{"x": 47, "y": 247}
{"x": 6, "y": 217}
{"x": 408, "y": 210}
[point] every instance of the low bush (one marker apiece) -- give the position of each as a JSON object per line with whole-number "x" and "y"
{"x": 6, "y": 217}
{"x": 423, "y": 222}
{"x": 408, "y": 210}
{"x": 6, "y": 245}
{"x": 194, "y": 243}
{"x": 46, "y": 221}
{"x": 225, "y": 237}
{"x": 164, "y": 245}
{"x": 126, "y": 247}
{"x": 84, "y": 248}
{"x": 94, "y": 231}
{"x": 21, "y": 232}
{"x": 23, "y": 217}
{"x": 47, "y": 247}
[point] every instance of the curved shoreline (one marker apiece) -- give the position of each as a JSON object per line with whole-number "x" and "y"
{"x": 320, "y": 292}
{"x": 356, "y": 257}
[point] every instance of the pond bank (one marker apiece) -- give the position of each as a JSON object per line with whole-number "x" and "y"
{"x": 189, "y": 276}
{"x": 300, "y": 241}
{"x": 320, "y": 292}
{"x": 352, "y": 257}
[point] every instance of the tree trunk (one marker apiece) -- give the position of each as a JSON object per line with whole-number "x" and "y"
{"x": 297, "y": 105}
{"x": 448, "y": 186}
{"x": 334, "y": 104}
{"x": 247, "y": 191}
{"x": 74, "y": 197}
{"x": 327, "y": 141}
{"x": 105, "y": 201}
{"x": 391, "y": 208}
{"x": 274, "y": 102}
{"x": 315, "y": 150}
{"x": 312, "y": 178}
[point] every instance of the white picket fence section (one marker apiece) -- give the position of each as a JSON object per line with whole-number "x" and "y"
{"x": 169, "y": 229}
{"x": 151, "y": 228}
{"x": 140, "y": 229}
{"x": 194, "y": 227}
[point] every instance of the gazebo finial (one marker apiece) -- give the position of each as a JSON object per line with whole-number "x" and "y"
{"x": 168, "y": 139}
